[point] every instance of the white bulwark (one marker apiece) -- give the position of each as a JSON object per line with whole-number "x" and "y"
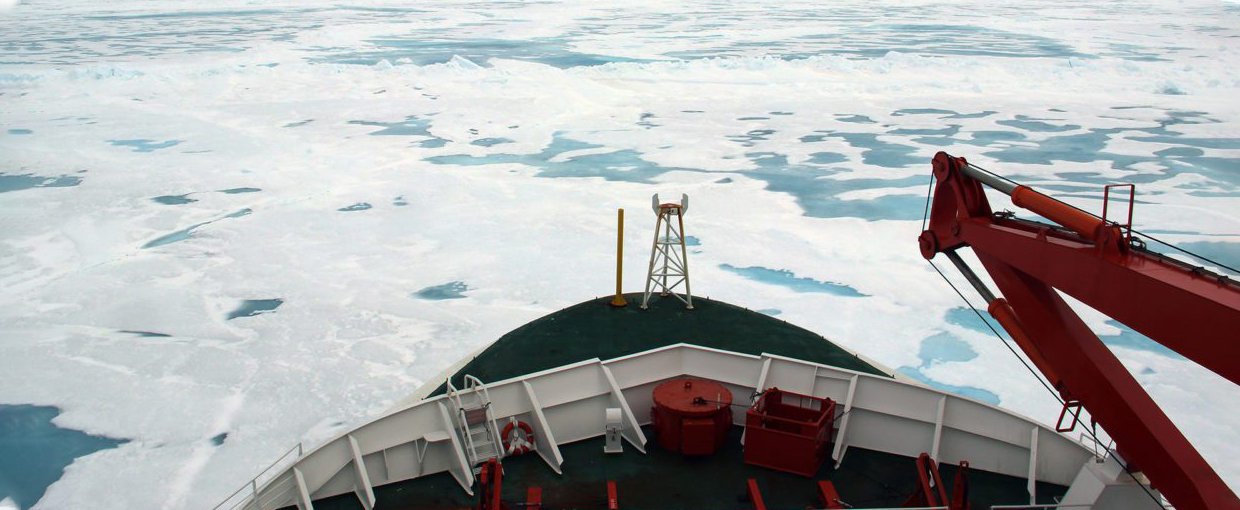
{"x": 571, "y": 403}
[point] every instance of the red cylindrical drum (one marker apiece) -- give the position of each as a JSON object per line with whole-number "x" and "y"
{"x": 692, "y": 416}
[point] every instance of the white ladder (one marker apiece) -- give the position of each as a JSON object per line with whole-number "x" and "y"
{"x": 475, "y": 422}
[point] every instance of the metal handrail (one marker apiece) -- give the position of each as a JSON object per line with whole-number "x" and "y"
{"x": 493, "y": 432}
{"x": 271, "y": 495}
{"x": 253, "y": 483}
{"x": 463, "y": 421}
{"x": 478, "y": 389}
{"x": 469, "y": 439}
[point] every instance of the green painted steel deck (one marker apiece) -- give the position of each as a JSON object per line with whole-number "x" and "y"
{"x": 595, "y": 329}
{"x": 662, "y": 480}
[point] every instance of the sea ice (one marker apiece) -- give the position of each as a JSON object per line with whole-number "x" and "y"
{"x": 164, "y": 162}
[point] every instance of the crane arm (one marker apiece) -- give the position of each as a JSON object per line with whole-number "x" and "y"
{"x": 1192, "y": 312}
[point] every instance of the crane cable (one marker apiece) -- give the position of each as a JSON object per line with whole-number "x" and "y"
{"x": 1036, "y": 375}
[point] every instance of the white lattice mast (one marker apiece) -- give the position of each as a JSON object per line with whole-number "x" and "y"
{"x": 668, "y": 260}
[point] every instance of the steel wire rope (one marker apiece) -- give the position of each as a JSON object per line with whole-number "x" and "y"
{"x": 1045, "y": 384}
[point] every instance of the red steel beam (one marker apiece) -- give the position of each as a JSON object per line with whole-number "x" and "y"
{"x": 1095, "y": 377}
{"x": 1192, "y": 313}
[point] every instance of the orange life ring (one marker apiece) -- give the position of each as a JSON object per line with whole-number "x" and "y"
{"x": 517, "y": 443}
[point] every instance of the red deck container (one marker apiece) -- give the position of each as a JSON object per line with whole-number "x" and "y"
{"x": 789, "y": 432}
{"x": 691, "y": 416}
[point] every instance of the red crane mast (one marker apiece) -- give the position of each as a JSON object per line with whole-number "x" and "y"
{"x": 1189, "y": 310}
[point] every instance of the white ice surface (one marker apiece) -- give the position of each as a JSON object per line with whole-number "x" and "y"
{"x": 349, "y": 339}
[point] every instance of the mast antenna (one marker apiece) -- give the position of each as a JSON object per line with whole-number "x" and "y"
{"x": 669, "y": 264}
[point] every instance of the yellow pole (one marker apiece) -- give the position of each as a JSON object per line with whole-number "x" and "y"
{"x": 619, "y": 301}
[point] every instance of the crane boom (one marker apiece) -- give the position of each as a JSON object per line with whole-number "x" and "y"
{"x": 1191, "y": 311}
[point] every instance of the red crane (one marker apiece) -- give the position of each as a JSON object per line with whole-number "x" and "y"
{"x": 1187, "y": 309}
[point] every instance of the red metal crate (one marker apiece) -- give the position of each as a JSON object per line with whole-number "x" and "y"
{"x": 788, "y": 431}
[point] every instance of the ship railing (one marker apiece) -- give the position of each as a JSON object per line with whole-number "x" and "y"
{"x": 248, "y": 493}
{"x": 481, "y": 396}
{"x": 493, "y": 430}
{"x": 462, "y": 420}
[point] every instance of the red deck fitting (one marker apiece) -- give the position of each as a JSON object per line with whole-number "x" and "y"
{"x": 960, "y": 488}
{"x": 613, "y": 501}
{"x": 490, "y": 481}
{"x": 930, "y": 491}
{"x": 755, "y": 496}
{"x": 692, "y": 416}
{"x": 533, "y": 498}
{"x": 827, "y": 494}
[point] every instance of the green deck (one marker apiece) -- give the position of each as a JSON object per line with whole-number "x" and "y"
{"x": 664, "y": 480}
{"x": 594, "y": 329}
